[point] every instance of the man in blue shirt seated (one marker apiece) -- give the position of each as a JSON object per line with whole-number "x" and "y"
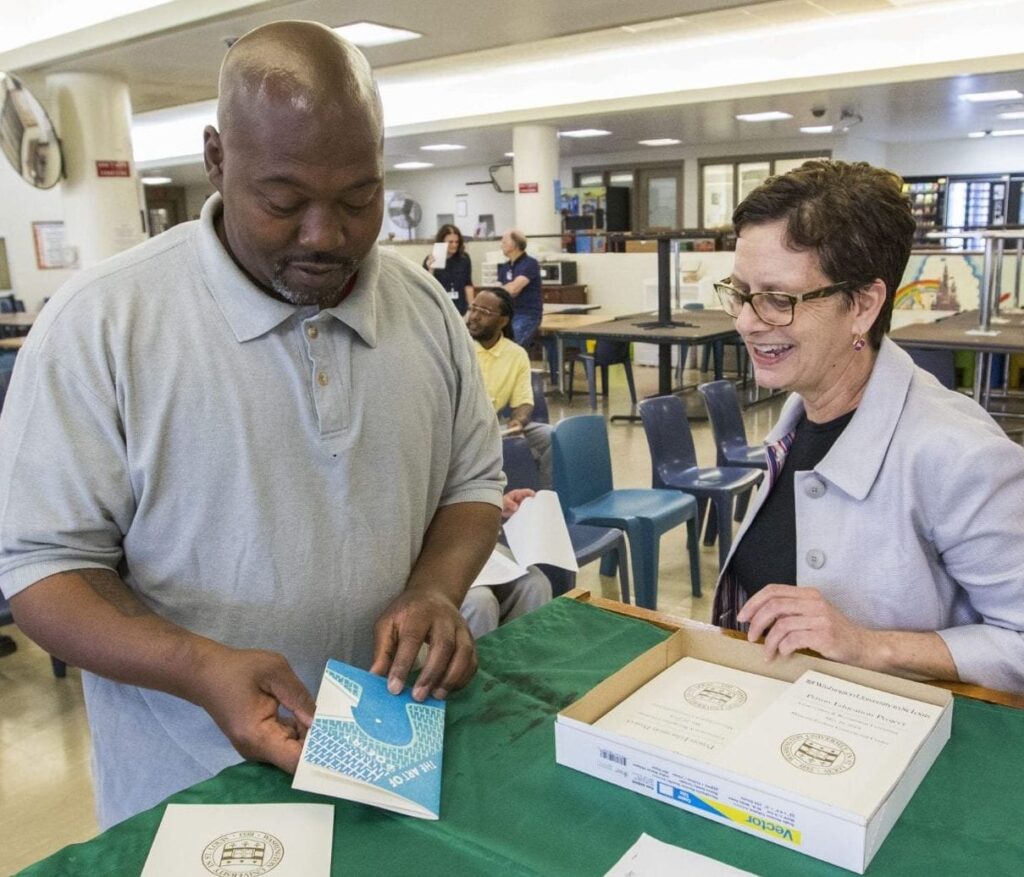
{"x": 520, "y": 278}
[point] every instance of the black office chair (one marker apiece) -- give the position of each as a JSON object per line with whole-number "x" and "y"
{"x": 940, "y": 363}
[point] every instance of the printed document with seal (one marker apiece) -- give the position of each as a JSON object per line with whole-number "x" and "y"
{"x": 693, "y": 707}
{"x": 835, "y": 741}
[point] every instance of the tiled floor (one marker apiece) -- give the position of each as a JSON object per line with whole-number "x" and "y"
{"x": 45, "y": 789}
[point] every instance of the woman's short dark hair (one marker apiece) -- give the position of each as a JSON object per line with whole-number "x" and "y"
{"x": 854, "y": 217}
{"x": 446, "y": 230}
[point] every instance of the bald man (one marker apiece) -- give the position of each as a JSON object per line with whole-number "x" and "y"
{"x": 254, "y": 443}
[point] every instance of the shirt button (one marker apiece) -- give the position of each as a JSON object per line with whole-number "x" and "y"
{"x": 322, "y": 379}
{"x": 815, "y": 558}
{"x": 312, "y": 331}
{"x": 814, "y": 488}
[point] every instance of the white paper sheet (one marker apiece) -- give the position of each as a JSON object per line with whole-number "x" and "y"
{"x": 498, "y": 570}
{"x": 834, "y": 741}
{"x": 440, "y": 254}
{"x": 693, "y": 707}
{"x": 536, "y": 533}
{"x": 650, "y": 857}
{"x": 287, "y": 840}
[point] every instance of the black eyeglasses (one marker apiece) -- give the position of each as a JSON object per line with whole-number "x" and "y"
{"x": 773, "y": 308}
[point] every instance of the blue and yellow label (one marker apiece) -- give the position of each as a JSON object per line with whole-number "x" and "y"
{"x": 731, "y": 814}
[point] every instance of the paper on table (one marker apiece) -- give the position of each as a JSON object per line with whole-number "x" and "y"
{"x": 498, "y": 570}
{"x": 197, "y": 840}
{"x": 536, "y": 533}
{"x": 693, "y": 707}
{"x": 650, "y": 857}
{"x": 834, "y": 741}
{"x": 440, "y": 254}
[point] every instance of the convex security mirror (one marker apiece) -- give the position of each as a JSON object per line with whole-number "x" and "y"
{"x": 27, "y": 136}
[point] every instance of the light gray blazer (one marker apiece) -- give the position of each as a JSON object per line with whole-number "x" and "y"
{"x": 914, "y": 520}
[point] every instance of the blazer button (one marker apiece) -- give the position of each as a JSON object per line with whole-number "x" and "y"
{"x": 815, "y": 558}
{"x": 814, "y": 488}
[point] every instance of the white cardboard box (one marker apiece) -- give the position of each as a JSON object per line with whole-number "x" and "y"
{"x": 842, "y": 837}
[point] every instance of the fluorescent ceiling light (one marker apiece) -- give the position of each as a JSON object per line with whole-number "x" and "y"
{"x": 978, "y": 97}
{"x": 660, "y": 141}
{"x": 442, "y": 147}
{"x": 509, "y": 155}
{"x": 769, "y": 116}
{"x": 366, "y": 33}
{"x": 585, "y": 132}
{"x": 1009, "y": 132}
{"x": 412, "y": 165}
{"x": 1015, "y": 114}
{"x": 156, "y": 181}
{"x": 817, "y": 129}
{"x": 976, "y": 134}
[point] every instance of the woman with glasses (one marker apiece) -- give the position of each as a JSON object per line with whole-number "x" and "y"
{"x": 894, "y": 505}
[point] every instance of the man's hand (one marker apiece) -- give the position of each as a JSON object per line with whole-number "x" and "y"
{"x": 414, "y": 618}
{"x": 244, "y": 690}
{"x": 511, "y": 501}
{"x": 512, "y": 427}
{"x": 801, "y": 618}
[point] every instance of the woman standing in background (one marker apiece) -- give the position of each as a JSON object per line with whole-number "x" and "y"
{"x": 457, "y": 274}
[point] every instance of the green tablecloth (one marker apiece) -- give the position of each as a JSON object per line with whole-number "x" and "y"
{"x": 508, "y": 808}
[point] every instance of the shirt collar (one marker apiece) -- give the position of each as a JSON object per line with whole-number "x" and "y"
{"x": 494, "y": 350}
{"x": 251, "y": 312}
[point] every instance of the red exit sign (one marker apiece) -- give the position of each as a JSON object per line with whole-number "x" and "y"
{"x": 528, "y": 188}
{"x": 112, "y": 169}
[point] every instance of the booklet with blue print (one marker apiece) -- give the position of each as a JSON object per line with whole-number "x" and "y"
{"x": 374, "y": 747}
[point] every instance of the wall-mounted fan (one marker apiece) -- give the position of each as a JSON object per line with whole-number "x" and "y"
{"x": 404, "y": 213}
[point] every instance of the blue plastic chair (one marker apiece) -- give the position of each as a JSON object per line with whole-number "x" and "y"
{"x": 723, "y": 407}
{"x": 606, "y": 353}
{"x": 940, "y": 363}
{"x": 583, "y": 481}
{"x": 588, "y": 543}
{"x": 674, "y": 466}
{"x": 540, "y": 402}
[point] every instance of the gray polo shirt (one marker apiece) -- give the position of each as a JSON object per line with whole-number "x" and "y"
{"x": 258, "y": 473}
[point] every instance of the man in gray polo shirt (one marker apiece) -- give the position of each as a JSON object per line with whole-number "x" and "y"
{"x": 251, "y": 444}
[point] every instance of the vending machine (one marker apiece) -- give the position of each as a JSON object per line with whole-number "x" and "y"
{"x": 976, "y": 203}
{"x": 927, "y": 196}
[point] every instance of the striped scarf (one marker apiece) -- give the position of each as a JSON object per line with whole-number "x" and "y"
{"x": 729, "y": 595}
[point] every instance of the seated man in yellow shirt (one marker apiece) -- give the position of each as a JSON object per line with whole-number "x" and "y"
{"x": 506, "y": 371}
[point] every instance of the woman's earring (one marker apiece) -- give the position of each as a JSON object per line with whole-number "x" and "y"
{"x": 859, "y": 343}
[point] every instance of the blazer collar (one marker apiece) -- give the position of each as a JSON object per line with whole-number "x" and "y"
{"x": 856, "y": 458}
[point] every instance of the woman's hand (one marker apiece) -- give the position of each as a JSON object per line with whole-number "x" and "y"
{"x": 791, "y": 618}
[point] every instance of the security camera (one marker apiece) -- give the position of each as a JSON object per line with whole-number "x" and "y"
{"x": 817, "y": 112}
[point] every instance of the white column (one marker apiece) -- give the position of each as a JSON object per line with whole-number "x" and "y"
{"x": 102, "y": 207}
{"x": 535, "y": 168}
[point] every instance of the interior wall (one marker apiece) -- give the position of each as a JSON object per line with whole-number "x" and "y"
{"x": 195, "y": 197}
{"x": 23, "y": 205}
{"x": 445, "y": 190}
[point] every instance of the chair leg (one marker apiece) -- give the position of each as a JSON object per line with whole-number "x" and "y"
{"x": 60, "y": 669}
{"x": 620, "y": 554}
{"x": 609, "y": 562}
{"x": 604, "y": 381}
{"x": 742, "y": 501}
{"x": 711, "y": 529}
{"x": 629, "y": 380}
{"x": 724, "y": 515}
{"x": 693, "y": 545}
{"x": 644, "y": 551}
{"x": 591, "y": 382}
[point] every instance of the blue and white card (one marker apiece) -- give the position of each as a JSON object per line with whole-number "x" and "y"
{"x": 374, "y": 747}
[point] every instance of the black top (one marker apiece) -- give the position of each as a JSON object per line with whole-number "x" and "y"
{"x": 456, "y": 275}
{"x": 766, "y": 554}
